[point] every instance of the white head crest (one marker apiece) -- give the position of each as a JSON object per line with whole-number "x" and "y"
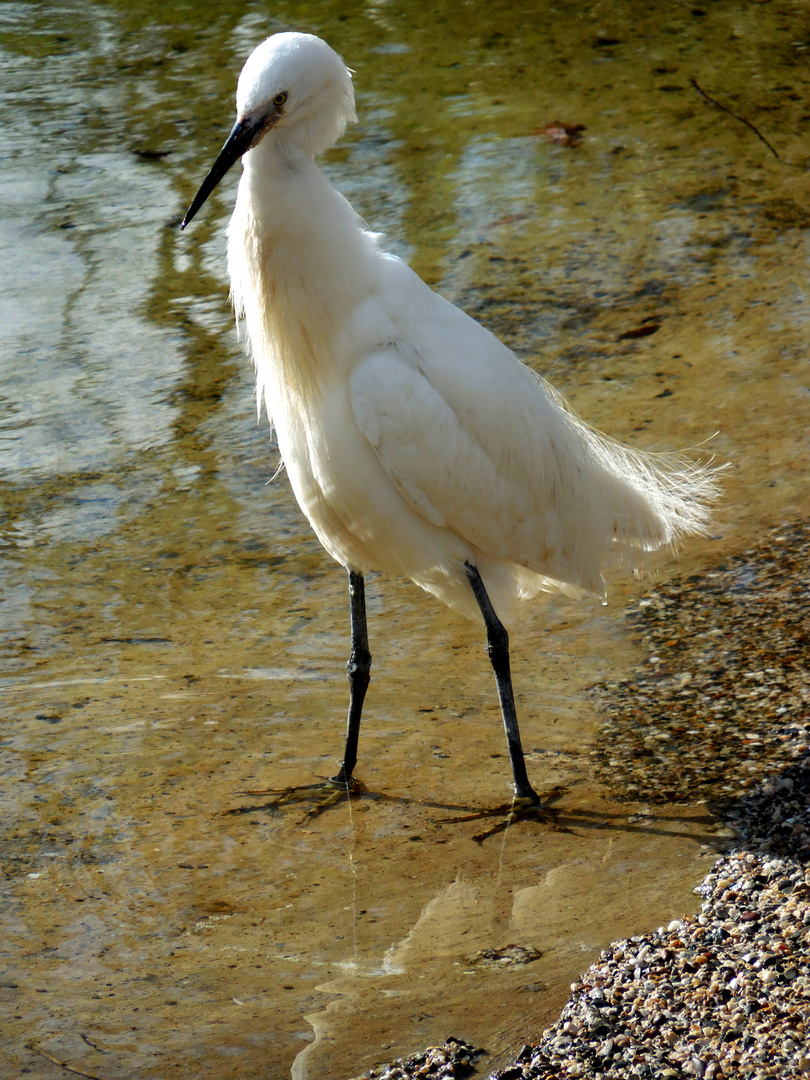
{"x": 310, "y": 80}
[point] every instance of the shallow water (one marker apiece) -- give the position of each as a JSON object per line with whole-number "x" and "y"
{"x": 172, "y": 634}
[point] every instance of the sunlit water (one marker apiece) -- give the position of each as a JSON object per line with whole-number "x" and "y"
{"x": 172, "y": 635}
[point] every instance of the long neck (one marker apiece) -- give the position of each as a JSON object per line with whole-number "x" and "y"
{"x": 300, "y": 263}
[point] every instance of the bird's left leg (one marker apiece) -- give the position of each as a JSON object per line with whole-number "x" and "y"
{"x": 498, "y": 653}
{"x": 358, "y": 668}
{"x": 359, "y": 672}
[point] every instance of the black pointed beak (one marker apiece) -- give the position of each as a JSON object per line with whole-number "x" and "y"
{"x": 245, "y": 133}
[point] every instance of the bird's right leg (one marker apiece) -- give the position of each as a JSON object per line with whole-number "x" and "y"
{"x": 359, "y": 672}
{"x": 526, "y": 804}
{"x": 498, "y": 653}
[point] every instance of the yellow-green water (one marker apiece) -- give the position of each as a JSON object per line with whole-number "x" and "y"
{"x": 173, "y": 636}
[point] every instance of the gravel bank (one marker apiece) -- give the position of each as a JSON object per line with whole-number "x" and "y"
{"x": 724, "y": 994}
{"x": 723, "y": 696}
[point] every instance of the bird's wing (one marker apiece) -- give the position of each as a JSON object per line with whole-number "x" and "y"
{"x": 461, "y": 464}
{"x": 474, "y": 440}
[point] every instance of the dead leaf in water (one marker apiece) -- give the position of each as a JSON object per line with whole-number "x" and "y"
{"x": 506, "y": 956}
{"x": 562, "y": 134}
{"x": 640, "y": 331}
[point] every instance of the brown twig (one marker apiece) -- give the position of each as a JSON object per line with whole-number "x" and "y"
{"x": 725, "y": 109}
{"x": 62, "y": 1064}
{"x": 90, "y": 1043}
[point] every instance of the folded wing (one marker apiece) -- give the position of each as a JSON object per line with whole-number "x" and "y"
{"x": 476, "y": 443}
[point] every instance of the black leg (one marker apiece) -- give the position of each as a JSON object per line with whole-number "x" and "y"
{"x": 358, "y": 668}
{"x": 498, "y": 653}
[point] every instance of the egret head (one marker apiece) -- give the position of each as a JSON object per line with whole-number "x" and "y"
{"x": 293, "y": 85}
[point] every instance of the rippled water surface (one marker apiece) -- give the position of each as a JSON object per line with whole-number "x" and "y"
{"x": 172, "y": 636}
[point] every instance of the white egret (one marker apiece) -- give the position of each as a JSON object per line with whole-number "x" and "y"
{"x": 415, "y": 442}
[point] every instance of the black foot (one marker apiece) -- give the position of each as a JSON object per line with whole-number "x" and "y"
{"x": 524, "y": 807}
{"x": 342, "y": 781}
{"x": 319, "y": 797}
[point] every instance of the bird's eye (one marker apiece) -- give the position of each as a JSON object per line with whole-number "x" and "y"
{"x": 279, "y": 99}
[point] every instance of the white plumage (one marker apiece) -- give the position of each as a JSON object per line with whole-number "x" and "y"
{"x": 415, "y": 442}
